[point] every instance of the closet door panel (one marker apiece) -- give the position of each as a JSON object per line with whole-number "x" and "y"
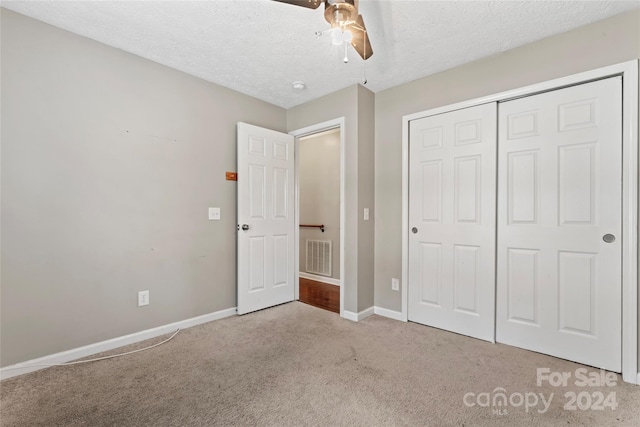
{"x": 452, "y": 210}
{"x": 559, "y": 223}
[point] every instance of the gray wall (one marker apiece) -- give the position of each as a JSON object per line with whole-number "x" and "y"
{"x": 366, "y": 197}
{"x": 109, "y": 163}
{"x": 319, "y": 200}
{"x": 603, "y": 43}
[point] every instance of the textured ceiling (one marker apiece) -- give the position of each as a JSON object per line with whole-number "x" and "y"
{"x": 259, "y": 47}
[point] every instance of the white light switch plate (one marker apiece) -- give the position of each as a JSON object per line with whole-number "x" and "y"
{"x": 143, "y": 298}
{"x": 214, "y": 214}
{"x": 366, "y": 214}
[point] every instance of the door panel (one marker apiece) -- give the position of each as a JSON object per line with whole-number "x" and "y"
{"x": 465, "y": 278}
{"x": 265, "y": 206}
{"x": 559, "y": 192}
{"x": 452, "y": 208}
{"x": 523, "y": 283}
{"x": 523, "y": 187}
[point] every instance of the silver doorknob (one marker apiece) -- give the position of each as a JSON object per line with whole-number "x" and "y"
{"x": 245, "y": 227}
{"x": 414, "y": 230}
{"x": 609, "y": 238}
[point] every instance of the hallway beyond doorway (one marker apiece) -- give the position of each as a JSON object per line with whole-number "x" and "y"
{"x": 321, "y": 295}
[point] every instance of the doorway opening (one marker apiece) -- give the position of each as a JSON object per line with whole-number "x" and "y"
{"x": 319, "y": 157}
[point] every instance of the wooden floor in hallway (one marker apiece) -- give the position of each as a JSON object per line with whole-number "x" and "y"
{"x": 321, "y": 295}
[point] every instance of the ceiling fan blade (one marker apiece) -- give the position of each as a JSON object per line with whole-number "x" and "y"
{"x": 360, "y": 41}
{"x": 311, "y": 4}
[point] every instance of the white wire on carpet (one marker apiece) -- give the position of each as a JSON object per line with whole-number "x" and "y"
{"x": 96, "y": 359}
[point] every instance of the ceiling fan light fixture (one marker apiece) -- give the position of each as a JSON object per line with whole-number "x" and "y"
{"x": 336, "y": 36}
{"x": 346, "y": 23}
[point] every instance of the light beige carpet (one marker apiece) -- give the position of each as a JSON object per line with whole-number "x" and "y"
{"x": 299, "y": 365}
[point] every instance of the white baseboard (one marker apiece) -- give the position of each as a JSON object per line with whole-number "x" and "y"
{"x": 350, "y": 315}
{"x": 77, "y": 353}
{"x": 391, "y": 314}
{"x": 638, "y": 379}
{"x": 322, "y": 279}
{"x": 356, "y": 317}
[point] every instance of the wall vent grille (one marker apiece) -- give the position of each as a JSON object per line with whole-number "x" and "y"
{"x": 319, "y": 257}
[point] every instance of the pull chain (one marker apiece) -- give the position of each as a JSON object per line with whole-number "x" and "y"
{"x": 364, "y": 72}
{"x": 364, "y": 65}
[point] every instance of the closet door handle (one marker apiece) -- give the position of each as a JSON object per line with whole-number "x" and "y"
{"x": 414, "y": 230}
{"x": 609, "y": 238}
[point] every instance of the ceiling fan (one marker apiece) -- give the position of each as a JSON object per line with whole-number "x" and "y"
{"x": 347, "y": 25}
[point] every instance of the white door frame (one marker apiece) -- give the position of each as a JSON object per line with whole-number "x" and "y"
{"x": 629, "y": 72}
{"x": 299, "y": 133}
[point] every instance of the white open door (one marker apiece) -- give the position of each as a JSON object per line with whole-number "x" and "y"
{"x": 266, "y": 221}
{"x": 559, "y": 223}
{"x": 452, "y": 204}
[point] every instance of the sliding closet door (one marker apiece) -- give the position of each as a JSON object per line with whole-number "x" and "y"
{"x": 452, "y": 187}
{"x": 559, "y": 223}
